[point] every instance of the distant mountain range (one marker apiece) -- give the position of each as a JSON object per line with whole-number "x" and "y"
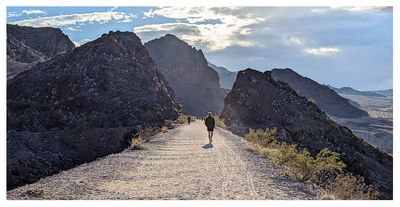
{"x": 226, "y": 77}
{"x": 352, "y": 91}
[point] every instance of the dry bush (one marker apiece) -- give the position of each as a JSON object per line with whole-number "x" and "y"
{"x": 182, "y": 119}
{"x": 220, "y": 122}
{"x": 301, "y": 165}
{"x": 350, "y": 187}
{"x": 261, "y": 137}
{"x": 143, "y": 135}
{"x": 164, "y": 129}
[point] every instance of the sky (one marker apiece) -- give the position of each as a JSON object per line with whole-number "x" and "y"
{"x": 340, "y": 46}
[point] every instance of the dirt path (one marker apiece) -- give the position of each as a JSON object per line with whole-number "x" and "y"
{"x": 177, "y": 164}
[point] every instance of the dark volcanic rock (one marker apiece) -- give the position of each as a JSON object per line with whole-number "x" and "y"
{"x": 15, "y": 67}
{"x": 196, "y": 85}
{"x": 325, "y": 98}
{"x": 32, "y": 45}
{"x": 226, "y": 77}
{"x": 82, "y": 105}
{"x": 46, "y": 41}
{"x": 18, "y": 51}
{"x": 258, "y": 101}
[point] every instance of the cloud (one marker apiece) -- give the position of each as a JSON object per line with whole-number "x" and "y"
{"x": 322, "y": 51}
{"x": 72, "y": 29}
{"x": 209, "y": 28}
{"x": 365, "y": 8}
{"x": 81, "y": 42}
{"x": 33, "y": 11}
{"x": 73, "y": 19}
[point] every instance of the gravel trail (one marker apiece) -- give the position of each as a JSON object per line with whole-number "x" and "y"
{"x": 178, "y": 164}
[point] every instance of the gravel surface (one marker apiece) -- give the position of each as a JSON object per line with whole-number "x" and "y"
{"x": 178, "y": 164}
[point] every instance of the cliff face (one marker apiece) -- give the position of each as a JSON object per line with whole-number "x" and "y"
{"x": 81, "y": 105}
{"x": 226, "y": 77}
{"x": 325, "y": 98}
{"x": 258, "y": 101}
{"x": 32, "y": 45}
{"x": 44, "y": 40}
{"x": 196, "y": 85}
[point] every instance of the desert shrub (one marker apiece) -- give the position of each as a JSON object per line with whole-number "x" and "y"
{"x": 329, "y": 160}
{"x": 142, "y": 135}
{"x": 164, "y": 129}
{"x": 220, "y": 122}
{"x": 261, "y": 137}
{"x": 301, "y": 166}
{"x": 136, "y": 143}
{"x": 311, "y": 101}
{"x": 182, "y": 119}
{"x": 350, "y": 187}
{"x": 282, "y": 153}
{"x": 326, "y": 168}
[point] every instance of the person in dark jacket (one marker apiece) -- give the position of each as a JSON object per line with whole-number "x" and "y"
{"x": 188, "y": 119}
{"x": 210, "y": 124}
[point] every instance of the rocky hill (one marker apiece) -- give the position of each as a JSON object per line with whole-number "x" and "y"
{"x": 185, "y": 68}
{"x": 32, "y": 45}
{"x": 82, "y": 105}
{"x": 325, "y": 98}
{"x": 226, "y": 77}
{"x": 259, "y": 101}
{"x": 46, "y": 41}
{"x": 352, "y": 91}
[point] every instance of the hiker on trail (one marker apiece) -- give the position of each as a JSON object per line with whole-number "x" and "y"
{"x": 210, "y": 123}
{"x": 188, "y": 120}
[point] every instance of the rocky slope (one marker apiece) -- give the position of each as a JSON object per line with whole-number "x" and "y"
{"x": 185, "y": 68}
{"x": 259, "y": 101}
{"x": 46, "y": 41}
{"x": 325, "y": 98}
{"x": 32, "y": 45}
{"x": 81, "y": 105}
{"x": 226, "y": 77}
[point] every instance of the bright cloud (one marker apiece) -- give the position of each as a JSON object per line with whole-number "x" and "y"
{"x": 81, "y": 42}
{"x": 73, "y": 19}
{"x": 364, "y": 8}
{"x": 209, "y": 28}
{"x": 322, "y": 51}
{"x": 33, "y": 11}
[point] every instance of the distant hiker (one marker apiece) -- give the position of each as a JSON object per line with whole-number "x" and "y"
{"x": 188, "y": 120}
{"x": 210, "y": 123}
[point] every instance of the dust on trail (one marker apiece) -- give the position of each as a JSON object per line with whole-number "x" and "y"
{"x": 177, "y": 164}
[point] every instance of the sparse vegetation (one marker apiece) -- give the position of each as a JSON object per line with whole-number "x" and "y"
{"x": 219, "y": 122}
{"x": 312, "y": 101}
{"x": 182, "y": 119}
{"x": 300, "y": 165}
{"x": 144, "y": 134}
{"x": 351, "y": 187}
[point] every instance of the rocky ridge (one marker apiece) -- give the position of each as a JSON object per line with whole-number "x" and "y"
{"x": 82, "y": 105}
{"x": 259, "y": 101}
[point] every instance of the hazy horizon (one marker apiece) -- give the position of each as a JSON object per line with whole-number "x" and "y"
{"x": 346, "y": 46}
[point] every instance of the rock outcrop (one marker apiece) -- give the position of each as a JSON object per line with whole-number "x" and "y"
{"x": 185, "y": 68}
{"x": 259, "y": 101}
{"x": 46, "y": 41}
{"x": 325, "y": 98}
{"x": 82, "y": 105}
{"x": 226, "y": 77}
{"x": 32, "y": 45}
